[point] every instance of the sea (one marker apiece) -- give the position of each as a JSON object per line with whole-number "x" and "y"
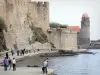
{"x": 82, "y": 64}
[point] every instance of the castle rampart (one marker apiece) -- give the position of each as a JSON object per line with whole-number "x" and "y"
{"x": 15, "y": 14}
{"x": 21, "y": 15}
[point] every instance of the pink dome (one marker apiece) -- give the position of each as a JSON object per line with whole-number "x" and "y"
{"x": 85, "y": 15}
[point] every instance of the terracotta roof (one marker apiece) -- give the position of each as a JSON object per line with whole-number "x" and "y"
{"x": 76, "y": 28}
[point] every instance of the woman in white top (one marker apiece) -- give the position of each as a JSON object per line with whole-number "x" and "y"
{"x": 14, "y": 64}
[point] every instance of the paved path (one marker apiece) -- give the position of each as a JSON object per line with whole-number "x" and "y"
{"x": 29, "y": 54}
{"x": 25, "y": 71}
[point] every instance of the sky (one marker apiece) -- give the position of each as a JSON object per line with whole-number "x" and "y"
{"x": 70, "y": 12}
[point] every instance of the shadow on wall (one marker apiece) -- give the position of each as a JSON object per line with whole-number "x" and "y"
{"x": 2, "y": 39}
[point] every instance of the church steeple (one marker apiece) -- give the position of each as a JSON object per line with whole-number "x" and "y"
{"x": 85, "y": 31}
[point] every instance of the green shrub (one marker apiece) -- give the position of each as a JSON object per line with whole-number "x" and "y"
{"x": 38, "y": 34}
{"x": 57, "y": 25}
{"x": 63, "y": 26}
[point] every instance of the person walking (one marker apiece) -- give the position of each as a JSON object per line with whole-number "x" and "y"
{"x": 5, "y": 61}
{"x": 45, "y": 64}
{"x": 7, "y": 55}
{"x": 12, "y": 52}
{"x": 14, "y": 64}
{"x": 22, "y": 52}
{"x": 18, "y": 52}
{"x": 10, "y": 63}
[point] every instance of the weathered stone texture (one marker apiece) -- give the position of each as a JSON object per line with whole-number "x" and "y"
{"x": 84, "y": 35}
{"x": 16, "y": 14}
{"x": 20, "y": 15}
{"x": 64, "y": 39}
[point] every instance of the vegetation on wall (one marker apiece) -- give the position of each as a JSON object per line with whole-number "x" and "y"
{"x": 57, "y": 25}
{"x": 38, "y": 35}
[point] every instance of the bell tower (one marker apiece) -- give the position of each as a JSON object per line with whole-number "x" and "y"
{"x": 85, "y": 31}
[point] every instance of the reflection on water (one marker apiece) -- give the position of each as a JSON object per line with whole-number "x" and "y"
{"x": 84, "y": 64}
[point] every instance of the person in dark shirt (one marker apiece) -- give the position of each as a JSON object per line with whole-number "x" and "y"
{"x": 10, "y": 63}
{"x": 7, "y": 55}
{"x": 12, "y": 52}
{"x": 18, "y": 52}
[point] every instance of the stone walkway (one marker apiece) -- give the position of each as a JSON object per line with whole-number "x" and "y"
{"x": 25, "y": 71}
{"x": 29, "y": 54}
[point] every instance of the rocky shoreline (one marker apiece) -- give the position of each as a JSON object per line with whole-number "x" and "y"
{"x": 65, "y": 53}
{"x": 52, "y": 54}
{"x": 34, "y": 69}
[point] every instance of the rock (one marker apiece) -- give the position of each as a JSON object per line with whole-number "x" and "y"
{"x": 32, "y": 66}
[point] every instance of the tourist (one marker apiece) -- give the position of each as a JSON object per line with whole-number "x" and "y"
{"x": 10, "y": 63}
{"x": 23, "y": 52}
{"x": 26, "y": 51}
{"x": 5, "y": 64}
{"x": 20, "y": 52}
{"x": 7, "y": 55}
{"x": 12, "y": 52}
{"x": 34, "y": 51}
{"x": 17, "y": 52}
{"x": 38, "y": 50}
{"x": 45, "y": 64}
{"x": 29, "y": 51}
{"x": 14, "y": 64}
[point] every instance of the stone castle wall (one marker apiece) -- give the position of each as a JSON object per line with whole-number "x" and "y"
{"x": 64, "y": 39}
{"x": 20, "y": 15}
{"x": 40, "y": 14}
{"x": 16, "y": 14}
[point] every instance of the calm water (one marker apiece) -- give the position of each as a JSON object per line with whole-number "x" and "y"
{"x": 84, "y": 64}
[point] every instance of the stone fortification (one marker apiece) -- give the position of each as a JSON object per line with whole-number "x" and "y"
{"x": 63, "y": 38}
{"x": 18, "y": 16}
{"x": 27, "y": 23}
